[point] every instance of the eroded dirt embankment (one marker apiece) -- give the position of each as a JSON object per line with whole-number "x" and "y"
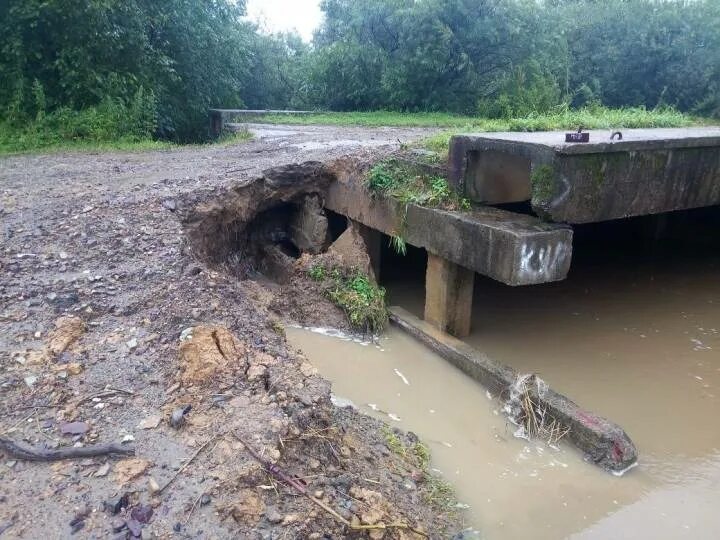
{"x": 111, "y": 325}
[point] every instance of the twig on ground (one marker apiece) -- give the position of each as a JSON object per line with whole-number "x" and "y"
{"x": 188, "y": 462}
{"x": 33, "y": 453}
{"x": 109, "y": 391}
{"x": 275, "y": 471}
{"x": 192, "y": 508}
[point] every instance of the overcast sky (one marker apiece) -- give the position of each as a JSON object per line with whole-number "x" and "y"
{"x": 283, "y": 15}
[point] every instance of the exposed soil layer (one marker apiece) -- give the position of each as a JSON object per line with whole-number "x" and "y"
{"x": 113, "y": 330}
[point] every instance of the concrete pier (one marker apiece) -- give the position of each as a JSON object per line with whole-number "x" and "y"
{"x": 649, "y": 171}
{"x": 448, "y": 296}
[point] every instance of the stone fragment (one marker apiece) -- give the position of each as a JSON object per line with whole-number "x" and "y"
{"x": 207, "y": 351}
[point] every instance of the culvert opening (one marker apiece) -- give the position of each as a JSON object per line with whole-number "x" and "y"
{"x": 403, "y": 275}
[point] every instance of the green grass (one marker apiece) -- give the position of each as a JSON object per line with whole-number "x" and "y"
{"x": 436, "y": 490}
{"x": 13, "y": 141}
{"x": 590, "y": 117}
{"x": 362, "y": 300}
{"x": 409, "y": 184}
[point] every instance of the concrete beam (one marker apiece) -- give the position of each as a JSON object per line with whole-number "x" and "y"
{"x": 649, "y": 171}
{"x": 448, "y": 296}
{"x": 515, "y": 249}
{"x": 605, "y": 443}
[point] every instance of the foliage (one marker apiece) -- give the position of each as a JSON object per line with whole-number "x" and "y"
{"x": 595, "y": 117}
{"x": 512, "y": 58}
{"x": 435, "y": 490}
{"x": 317, "y": 272}
{"x": 411, "y": 184}
{"x": 98, "y": 70}
{"x": 362, "y": 301}
{"x": 188, "y": 55}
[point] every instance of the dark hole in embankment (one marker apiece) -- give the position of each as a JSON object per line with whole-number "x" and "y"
{"x": 263, "y": 224}
{"x": 271, "y": 229}
{"x": 337, "y": 224}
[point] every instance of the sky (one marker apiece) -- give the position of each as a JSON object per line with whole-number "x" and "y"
{"x": 285, "y": 15}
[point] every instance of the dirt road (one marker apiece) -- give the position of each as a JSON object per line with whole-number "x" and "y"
{"x": 110, "y": 325}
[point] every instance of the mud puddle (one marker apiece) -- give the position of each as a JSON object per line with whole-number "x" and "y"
{"x": 513, "y": 488}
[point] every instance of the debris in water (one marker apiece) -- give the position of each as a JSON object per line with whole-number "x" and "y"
{"x": 404, "y": 379}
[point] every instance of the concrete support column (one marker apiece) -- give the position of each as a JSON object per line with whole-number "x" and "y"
{"x": 448, "y": 296}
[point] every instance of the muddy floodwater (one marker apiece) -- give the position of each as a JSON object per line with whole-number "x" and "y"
{"x": 633, "y": 334}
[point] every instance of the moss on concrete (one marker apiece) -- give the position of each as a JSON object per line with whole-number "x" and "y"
{"x": 543, "y": 184}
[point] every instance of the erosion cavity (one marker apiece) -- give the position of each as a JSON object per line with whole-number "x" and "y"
{"x": 266, "y": 223}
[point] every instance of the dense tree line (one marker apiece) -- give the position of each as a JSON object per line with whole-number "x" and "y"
{"x": 158, "y": 66}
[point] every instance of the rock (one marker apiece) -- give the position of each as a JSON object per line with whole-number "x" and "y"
{"x": 153, "y": 486}
{"x": 151, "y": 422}
{"x": 142, "y": 513}
{"x": 30, "y": 380}
{"x": 207, "y": 351}
{"x": 117, "y": 524}
{"x": 309, "y": 226}
{"x": 170, "y": 204}
{"x": 131, "y": 343}
{"x": 127, "y": 470}
{"x": 205, "y": 499}
{"x": 73, "y": 428}
{"x": 67, "y": 331}
{"x": 248, "y": 509}
{"x": 134, "y": 527}
{"x": 409, "y": 485}
{"x": 177, "y": 418}
{"x": 103, "y": 470}
{"x": 272, "y": 515}
{"x": 115, "y": 506}
{"x": 351, "y": 250}
{"x": 291, "y": 518}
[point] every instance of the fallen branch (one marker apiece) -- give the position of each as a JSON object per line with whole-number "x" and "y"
{"x": 276, "y": 472}
{"x": 33, "y": 453}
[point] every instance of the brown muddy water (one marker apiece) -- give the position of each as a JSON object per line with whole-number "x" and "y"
{"x": 633, "y": 334}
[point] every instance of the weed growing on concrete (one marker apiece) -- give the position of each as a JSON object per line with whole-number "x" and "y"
{"x": 362, "y": 300}
{"x": 398, "y": 244}
{"x": 542, "y": 179}
{"x": 412, "y": 184}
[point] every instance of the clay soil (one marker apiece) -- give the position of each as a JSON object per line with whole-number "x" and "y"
{"x": 110, "y": 325}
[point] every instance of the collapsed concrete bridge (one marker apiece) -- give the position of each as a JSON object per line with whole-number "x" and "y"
{"x": 649, "y": 171}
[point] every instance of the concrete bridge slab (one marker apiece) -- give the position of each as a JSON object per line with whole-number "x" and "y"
{"x": 649, "y": 171}
{"x": 515, "y": 249}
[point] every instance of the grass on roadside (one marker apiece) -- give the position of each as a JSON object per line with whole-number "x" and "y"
{"x": 590, "y": 117}
{"x": 362, "y": 301}
{"x": 438, "y": 491}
